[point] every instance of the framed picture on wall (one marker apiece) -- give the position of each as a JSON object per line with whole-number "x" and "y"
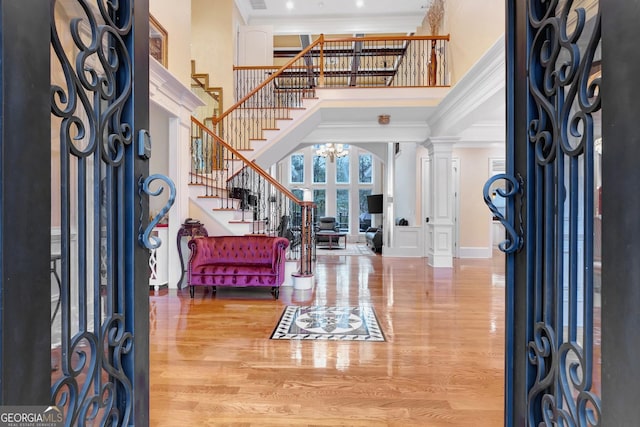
{"x": 158, "y": 40}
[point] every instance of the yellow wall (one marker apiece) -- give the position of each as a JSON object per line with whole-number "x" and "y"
{"x": 177, "y": 22}
{"x": 475, "y": 217}
{"x": 214, "y": 31}
{"x": 474, "y": 27}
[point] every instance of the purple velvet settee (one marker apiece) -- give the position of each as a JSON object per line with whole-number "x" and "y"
{"x": 237, "y": 261}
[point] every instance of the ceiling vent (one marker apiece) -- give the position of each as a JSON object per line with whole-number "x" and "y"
{"x": 258, "y": 4}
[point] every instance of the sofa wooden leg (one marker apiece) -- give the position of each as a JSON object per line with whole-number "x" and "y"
{"x": 191, "y": 291}
{"x": 213, "y": 290}
{"x": 275, "y": 291}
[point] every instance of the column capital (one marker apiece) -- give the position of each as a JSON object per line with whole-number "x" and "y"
{"x": 441, "y": 143}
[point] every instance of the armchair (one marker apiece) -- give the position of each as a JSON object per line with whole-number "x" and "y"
{"x": 373, "y": 236}
{"x": 326, "y": 223}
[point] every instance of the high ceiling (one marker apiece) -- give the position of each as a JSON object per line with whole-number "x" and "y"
{"x": 335, "y": 16}
{"x": 356, "y": 123}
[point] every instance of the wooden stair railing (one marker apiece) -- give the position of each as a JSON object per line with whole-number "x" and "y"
{"x": 256, "y": 197}
{"x": 267, "y": 101}
{"x": 269, "y": 93}
{"x": 210, "y": 95}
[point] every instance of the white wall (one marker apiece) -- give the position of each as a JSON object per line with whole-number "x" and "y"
{"x": 214, "y": 27}
{"x": 475, "y": 225}
{"x": 407, "y": 187}
{"x": 474, "y": 27}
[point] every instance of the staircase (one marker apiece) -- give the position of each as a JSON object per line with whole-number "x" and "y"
{"x": 226, "y": 150}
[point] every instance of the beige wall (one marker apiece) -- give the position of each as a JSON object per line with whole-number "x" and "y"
{"x": 474, "y": 27}
{"x": 474, "y": 218}
{"x": 214, "y": 31}
{"x": 177, "y": 22}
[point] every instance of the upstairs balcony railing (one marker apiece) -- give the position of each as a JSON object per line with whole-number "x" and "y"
{"x": 266, "y": 94}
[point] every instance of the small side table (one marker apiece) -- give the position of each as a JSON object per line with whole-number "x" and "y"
{"x": 190, "y": 228}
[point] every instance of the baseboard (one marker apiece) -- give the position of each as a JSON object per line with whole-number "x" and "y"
{"x": 402, "y": 252}
{"x": 475, "y": 252}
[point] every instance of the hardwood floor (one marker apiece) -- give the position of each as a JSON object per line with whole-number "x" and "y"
{"x": 212, "y": 362}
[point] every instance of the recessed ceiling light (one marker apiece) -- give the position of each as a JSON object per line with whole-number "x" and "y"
{"x": 360, "y": 3}
{"x": 289, "y": 5}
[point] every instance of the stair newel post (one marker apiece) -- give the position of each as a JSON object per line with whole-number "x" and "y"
{"x": 433, "y": 64}
{"x": 306, "y": 246}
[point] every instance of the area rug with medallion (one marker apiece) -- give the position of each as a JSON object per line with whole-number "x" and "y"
{"x": 357, "y": 323}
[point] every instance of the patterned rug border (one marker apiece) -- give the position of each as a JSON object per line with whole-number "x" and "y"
{"x": 366, "y": 314}
{"x": 353, "y": 249}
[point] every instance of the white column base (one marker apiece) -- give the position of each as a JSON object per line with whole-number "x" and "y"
{"x": 290, "y": 267}
{"x": 302, "y": 282}
{"x": 441, "y": 261}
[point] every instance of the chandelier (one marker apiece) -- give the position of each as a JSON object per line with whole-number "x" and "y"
{"x": 332, "y": 151}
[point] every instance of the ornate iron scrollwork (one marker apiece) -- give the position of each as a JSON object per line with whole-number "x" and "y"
{"x": 564, "y": 91}
{"x": 515, "y": 239}
{"x": 144, "y": 237}
{"x": 90, "y": 91}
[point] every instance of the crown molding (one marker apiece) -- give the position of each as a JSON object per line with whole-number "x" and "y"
{"x": 484, "y": 81}
{"x": 168, "y": 92}
{"x": 339, "y": 24}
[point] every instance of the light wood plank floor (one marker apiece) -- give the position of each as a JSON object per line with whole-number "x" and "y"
{"x": 212, "y": 362}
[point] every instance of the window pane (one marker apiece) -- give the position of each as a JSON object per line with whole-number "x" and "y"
{"x": 364, "y": 215}
{"x": 298, "y": 193}
{"x": 342, "y": 170}
{"x": 319, "y": 197}
{"x": 319, "y": 169}
{"x": 294, "y": 209}
{"x": 365, "y": 169}
{"x": 297, "y": 168}
{"x": 342, "y": 204}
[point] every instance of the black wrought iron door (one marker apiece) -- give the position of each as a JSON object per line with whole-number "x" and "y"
{"x": 572, "y": 295}
{"x": 99, "y": 104}
{"x": 553, "y": 367}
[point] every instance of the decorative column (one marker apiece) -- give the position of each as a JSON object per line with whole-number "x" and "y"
{"x": 440, "y": 220}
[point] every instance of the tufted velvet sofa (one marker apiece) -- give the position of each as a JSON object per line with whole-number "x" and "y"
{"x": 237, "y": 261}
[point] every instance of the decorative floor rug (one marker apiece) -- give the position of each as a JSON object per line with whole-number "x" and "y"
{"x": 351, "y": 249}
{"x": 328, "y": 323}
